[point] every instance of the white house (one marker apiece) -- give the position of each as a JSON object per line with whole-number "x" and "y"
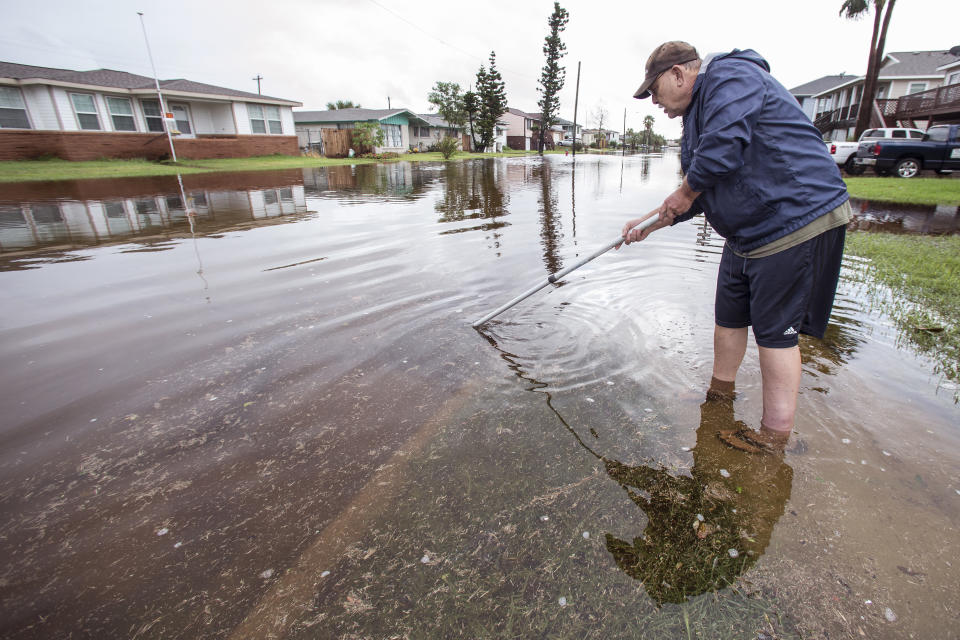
{"x": 80, "y": 115}
{"x": 395, "y": 124}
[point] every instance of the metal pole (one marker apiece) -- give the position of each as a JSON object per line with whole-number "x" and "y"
{"x": 156, "y": 80}
{"x": 560, "y": 274}
{"x": 623, "y": 149}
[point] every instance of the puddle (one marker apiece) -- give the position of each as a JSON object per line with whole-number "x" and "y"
{"x": 272, "y": 418}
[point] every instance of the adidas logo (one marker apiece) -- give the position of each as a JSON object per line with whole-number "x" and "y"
{"x": 790, "y": 332}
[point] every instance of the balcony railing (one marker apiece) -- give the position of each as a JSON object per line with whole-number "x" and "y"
{"x": 837, "y": 118}
{"x": 923, "y": 105}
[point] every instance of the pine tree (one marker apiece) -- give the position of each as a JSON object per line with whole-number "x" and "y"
{"x": 492, "y": 99}
{"x": 553, "y": 75}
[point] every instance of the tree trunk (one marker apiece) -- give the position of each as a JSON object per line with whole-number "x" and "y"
{"x": 873, "y": 65}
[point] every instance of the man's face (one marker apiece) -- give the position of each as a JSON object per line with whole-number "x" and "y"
{"x": 672, "y": 92}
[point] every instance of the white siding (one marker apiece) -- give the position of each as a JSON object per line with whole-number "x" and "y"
{"x": 286, "y": 115}
{"x": 66, "y": 109}
{"x": 40, "y": 108}
{"x": 243, "y": 120}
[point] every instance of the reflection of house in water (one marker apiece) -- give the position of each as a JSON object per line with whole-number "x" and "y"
{"x": 37, "y": 225}
{"x": 397, "y": 179}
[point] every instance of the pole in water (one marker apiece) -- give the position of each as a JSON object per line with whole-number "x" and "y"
{"x": 559, "y": 274}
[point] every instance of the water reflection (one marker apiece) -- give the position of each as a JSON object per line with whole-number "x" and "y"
{"x": 68, "y": 224}
{"x": 355, "y": 183}
{"x": 474, "y": 191}
{"x": 705, "y": 529}
{"x": 551, "y": 228}
{"x": 905, "y": 218}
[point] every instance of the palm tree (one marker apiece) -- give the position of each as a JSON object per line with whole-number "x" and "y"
{"x": 853, "y": 10}
{"x": 648, "y": 128}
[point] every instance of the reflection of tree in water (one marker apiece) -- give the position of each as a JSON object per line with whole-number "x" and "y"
{"x": 550, "y": 224}
{"x": 740, "y": 497}
{"x": 472, "y": 191}
{"x": 840, "y": 342}
{"x": 705, "y": 529}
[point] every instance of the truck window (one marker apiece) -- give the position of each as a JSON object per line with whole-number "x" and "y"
{"x": 938, "y": 134}
{"x": 898, "y": 133}
{"x": 872, "y": 133}
{"x": 916, "y": 134}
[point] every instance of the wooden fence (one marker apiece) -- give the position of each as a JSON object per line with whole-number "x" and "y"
{"x": 336, "y": 142}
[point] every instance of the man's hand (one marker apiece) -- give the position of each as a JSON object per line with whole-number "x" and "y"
{"x": 677, "y": 203}
{"x": 634, "y": 235}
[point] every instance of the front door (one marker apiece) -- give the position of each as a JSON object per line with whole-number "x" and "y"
{"x": 181, "y": 115}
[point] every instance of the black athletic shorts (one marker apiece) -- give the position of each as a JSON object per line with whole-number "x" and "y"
{"x": 781, "y": 295}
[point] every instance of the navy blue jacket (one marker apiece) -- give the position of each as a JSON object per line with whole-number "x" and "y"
{"x": 761, "y": 165}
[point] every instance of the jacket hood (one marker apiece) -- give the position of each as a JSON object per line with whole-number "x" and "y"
{"x": 746, "y": 54}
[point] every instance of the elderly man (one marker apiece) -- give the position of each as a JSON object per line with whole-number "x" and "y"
{"x": 756, "y": 166}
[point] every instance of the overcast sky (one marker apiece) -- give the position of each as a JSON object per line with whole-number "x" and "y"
{"x": 316, "y": 51}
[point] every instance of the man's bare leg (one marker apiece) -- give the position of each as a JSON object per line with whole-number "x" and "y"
{"x": 781, "y": 371}
{"x": 729, "y": 346}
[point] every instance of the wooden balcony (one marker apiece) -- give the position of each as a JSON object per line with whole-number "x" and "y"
{"x": 935, "y": 105}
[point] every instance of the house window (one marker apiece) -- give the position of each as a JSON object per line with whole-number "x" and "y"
{"x": 86, "y": 110}
{"x": 392, "y": 136}
{"x": 917, "y": 87}
{"x": 153, "y": 115}
{"x": 262, "y": 118}
{"x": 121, "y": 111}
{"x": 953, "y": 78}
{"x": 13, "y": 113}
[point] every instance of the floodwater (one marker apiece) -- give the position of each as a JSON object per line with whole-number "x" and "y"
{"x": 273, "y": 419}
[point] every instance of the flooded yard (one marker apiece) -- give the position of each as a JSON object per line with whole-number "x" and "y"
{"x": 273, "y": 419}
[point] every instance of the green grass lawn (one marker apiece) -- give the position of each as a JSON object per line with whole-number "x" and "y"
{"x": 929, "y": 191}
{"x": 29, "y": 170}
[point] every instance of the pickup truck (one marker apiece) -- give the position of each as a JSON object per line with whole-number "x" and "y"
{"x": 844, "y": 153}
{"x": 939, "y": 149}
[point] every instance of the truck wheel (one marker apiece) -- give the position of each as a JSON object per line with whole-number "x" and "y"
{"x": 852, "y": 168}
{"x": 907, "y": 168}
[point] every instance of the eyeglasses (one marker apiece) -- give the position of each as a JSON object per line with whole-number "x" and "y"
{"x": 653, "y": 93}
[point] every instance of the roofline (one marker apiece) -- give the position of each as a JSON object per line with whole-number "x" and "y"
{"x": 390, "y": 115}
{"x": 211, "y": 97}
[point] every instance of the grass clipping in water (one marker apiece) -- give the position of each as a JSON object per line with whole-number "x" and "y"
{"x": 923, "y": 275}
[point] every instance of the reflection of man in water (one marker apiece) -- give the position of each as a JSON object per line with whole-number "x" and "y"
{"x": 706, "y": 529}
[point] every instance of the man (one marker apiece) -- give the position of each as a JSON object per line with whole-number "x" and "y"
{"x": 756, "y": 166}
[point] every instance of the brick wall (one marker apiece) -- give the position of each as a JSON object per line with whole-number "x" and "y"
{"x": 88, "y": 145}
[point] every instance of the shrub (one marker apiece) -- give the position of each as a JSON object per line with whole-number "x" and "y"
{"x": 448, "y": 147}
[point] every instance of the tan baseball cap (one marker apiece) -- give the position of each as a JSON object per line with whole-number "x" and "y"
{"x": 663, "y": 58}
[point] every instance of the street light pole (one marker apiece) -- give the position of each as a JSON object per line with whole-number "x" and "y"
{"x": 156, "y": 81}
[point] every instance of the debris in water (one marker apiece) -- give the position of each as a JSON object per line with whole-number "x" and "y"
{"x": 586, "y": 535}
{"x": 684, "y": 448}
{"x": 733, "y": 553}
{"x": 562, "y": 601}
{"x": 324, "y": 574}
{"x": 845, "y": 440}
{"x": 890, "y": 615}
{"x": 266, "y": 575}
{"x": 868, "y": 602}
{"x": 590, "y": 400}
{"x": 178, "y": 545}
{"x": 648, "y": 410}
{"x": 700, "y": 517}
{"x": 163, "y": 532}
{"x": 609, "y": 383}
{"x": 886, "y": 453}
{"x": 93, "y": 420}
{"x": 544, "y": 518}
{"x": 425, "y": 559}
{"x": 724, "y": 473}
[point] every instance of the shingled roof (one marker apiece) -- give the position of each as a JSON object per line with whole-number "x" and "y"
{"x": 915, "y": 63}
{"x": 821, "y": 84}
{"x": 110, "y": 78}
{"x": 352, "y": 115}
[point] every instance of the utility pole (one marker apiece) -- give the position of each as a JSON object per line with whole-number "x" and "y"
{"x": 388, "y": 103}
{"x": 576, "y": 99}
{"x": 623, "y": 146}
{"x": 156, "y": 81}
{"x": 258, "y": 79}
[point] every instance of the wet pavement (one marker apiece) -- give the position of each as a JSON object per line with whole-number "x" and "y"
{"x": 272, "y": 419}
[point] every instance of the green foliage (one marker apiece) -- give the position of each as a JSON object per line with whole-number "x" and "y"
{"x": 553, "y": 75}
{"x": 366, "y": 135}
{"x": 448, "y": 100}
{"x": 342, "y": 104}
{"x": 447, "y": 146}
{"x": 492, "y": 102}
